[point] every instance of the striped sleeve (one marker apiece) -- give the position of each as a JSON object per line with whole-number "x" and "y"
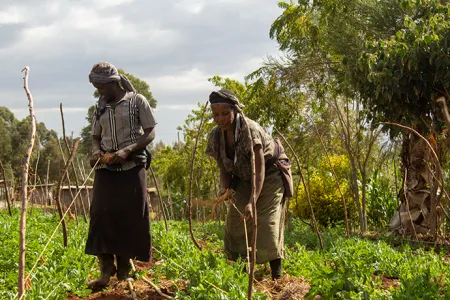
{"x": 146, "y": 115}
{"x": 96, "y": 129}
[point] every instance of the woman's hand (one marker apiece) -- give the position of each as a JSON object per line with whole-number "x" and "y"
{"x": 121, "y": 155}
{"x": 248, "y": 211}
{"x": 96, "y": 155}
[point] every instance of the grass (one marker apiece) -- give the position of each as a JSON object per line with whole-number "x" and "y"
{"x": 354, "y": 268}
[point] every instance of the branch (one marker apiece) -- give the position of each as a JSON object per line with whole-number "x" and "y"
{"x": 316, "y": 227}
{"x": 189, "y": 204}
{"x": 160, "y": 198}
{"x": 347, "y": 233}
{"x": 26, "y": 166}
{"x": 58, "y": 189}
{"x": 8, "y": 199}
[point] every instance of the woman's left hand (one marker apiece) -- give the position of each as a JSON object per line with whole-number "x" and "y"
{"x": 121, "y": 155}
{"x": 248, "y": 212}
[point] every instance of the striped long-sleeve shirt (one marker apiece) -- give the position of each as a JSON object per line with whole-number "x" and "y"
{"x": 122, "y": 125}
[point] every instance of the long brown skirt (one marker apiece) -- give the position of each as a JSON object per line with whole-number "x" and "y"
{"x": 119, "y": 214}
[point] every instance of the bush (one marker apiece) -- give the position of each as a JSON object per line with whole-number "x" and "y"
{"x": 325, "y": 197}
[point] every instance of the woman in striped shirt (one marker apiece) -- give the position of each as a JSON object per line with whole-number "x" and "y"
{"x": 123, "y": 125}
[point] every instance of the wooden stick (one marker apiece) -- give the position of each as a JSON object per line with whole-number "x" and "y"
{"x": 8, "y": 200}
{"x": 407, "y": 204}
{"x": 131, "y": 287}
{"x": 347, "y": 233}
{"x": 68, "y": 179}
{"x": 26, "y": 166}
{"x": 47, "y": 193}
{"x": 72, "y": 163}
{"x": 255, "y": 213}
{"x": 157, "y": 289}
{"x": 160, "y": 198}
{"x": 40, "y": 257}
{"x": 189, "y": 204}
{"x": 316, "y": 227}
{"x": 58, "y": 189}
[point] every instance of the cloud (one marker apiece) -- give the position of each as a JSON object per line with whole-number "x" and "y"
{"x": 174, "y": 45}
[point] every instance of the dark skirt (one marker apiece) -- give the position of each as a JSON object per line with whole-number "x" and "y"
{"x": 119, "y": 214}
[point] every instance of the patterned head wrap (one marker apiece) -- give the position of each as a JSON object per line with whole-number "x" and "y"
{"x": 225, "y": 96}
{"x": 104, "y": 72}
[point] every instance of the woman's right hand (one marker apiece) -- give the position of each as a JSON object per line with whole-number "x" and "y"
{"x": 96, "y": 155}
{"x": 222, "y": 192}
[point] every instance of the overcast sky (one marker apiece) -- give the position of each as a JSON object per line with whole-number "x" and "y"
{"x": 174, "y": 45}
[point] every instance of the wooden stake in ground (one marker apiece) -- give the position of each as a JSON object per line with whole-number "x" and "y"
{"x": 347, "y": 232}
{"x": 254, "y": 211}
{"x": 58, "y": 189}
{"x": 72, "y": 163}
{"x": 23, "y": 193}
{"x": 160, "y": 199}
{"x": 189, "y": 204}
{"x": 5, "y": 181}
{"x": 313, "y": 217}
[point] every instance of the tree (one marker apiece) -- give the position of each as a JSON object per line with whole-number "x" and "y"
{"x": 141, "y": 87}
{"x": 399, "y": 80}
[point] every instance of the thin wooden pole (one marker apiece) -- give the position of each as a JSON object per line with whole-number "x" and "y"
{"x": 5, "y": 181}
{"x": 313, "y": 217}
{"x": 72, "y": 163}
{"x": 58, "y": 189}
{"x": 253, "y": 199}
{"x": 47, "y": 192}
{"x": 347, "y": 232}
{"x": 68, "y": 180}
{"x": 189, "y": 204}
{"x": 26, "y": 166}
{"x": 160, "y": 199}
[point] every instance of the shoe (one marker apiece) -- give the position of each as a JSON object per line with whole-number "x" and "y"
{"x": 107, "y": 269}
{"x": 123, "y": 267}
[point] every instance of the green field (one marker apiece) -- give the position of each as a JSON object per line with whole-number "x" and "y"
{"x": 354, "y": 268}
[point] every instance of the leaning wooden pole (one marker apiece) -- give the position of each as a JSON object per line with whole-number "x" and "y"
{"x": 160, "y": 199}
{"x": 313, "y": 217}
{"x": 189, "y": 204}
{"x": 23, "y": 193}
{"x": 253, "y": 200}
{"x": 58, "y": 190}
{"x": 72, "y": 163}
{"x": 5, "y": 181}
{"x": 347, "y": 232}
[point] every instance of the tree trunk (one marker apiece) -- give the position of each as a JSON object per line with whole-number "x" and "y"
{"x": 418, "y": 197}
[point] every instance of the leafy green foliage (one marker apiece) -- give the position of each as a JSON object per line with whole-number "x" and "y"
{"x": 400, "y": 77}
{"x": 59, "y": 272}
{"x": 355, "y": 268}
{"x": 325, "y": 197}
{"x": 352, "y": 268}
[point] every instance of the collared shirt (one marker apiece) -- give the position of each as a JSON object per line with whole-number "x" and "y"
{"x": 122, "y": 125}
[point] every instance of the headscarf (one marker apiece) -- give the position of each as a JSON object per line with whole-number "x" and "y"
{"x": 225, "y": 96}
{"x": 104, "y": 72}
{"x": 228, "y": 97}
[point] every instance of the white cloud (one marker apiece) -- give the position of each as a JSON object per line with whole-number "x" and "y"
{"x": 11, "y": 15}
{"x": 110, "y": 3}
{"x": 192, "y": 80}
{"x": 187, "y": 107}
{"x": 191, "y": 6}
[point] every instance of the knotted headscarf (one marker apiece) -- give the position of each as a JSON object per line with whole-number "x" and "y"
{"x": 104, "y": 72}
{"x": 225, "y": 96}
{"x": 228, "y": 97}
